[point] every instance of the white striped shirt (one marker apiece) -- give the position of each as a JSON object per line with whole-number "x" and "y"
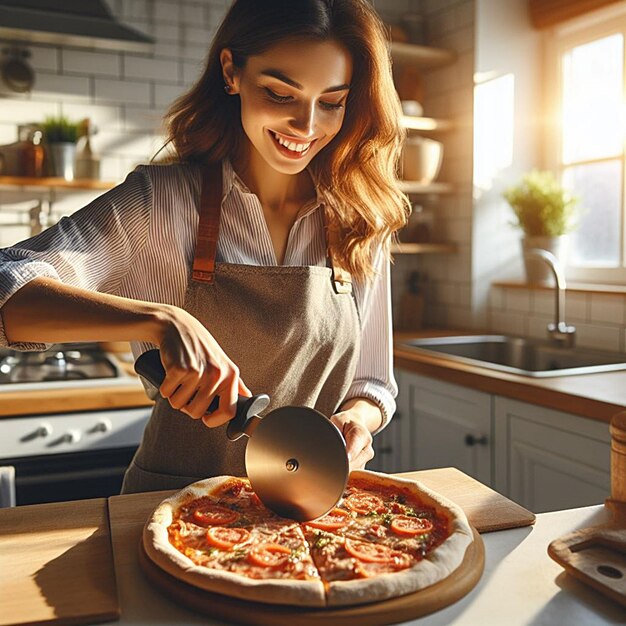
{"x": 138, "y": 240}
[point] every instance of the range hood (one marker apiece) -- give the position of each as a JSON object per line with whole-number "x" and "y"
{"x": 78, "y": 23}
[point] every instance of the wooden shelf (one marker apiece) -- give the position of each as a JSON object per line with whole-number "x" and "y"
{"x": 413, "y": 187}
{"x": 424, "y": 248}
{"x": 55, "y": 183}
{"x": 425, "y": 123}
{"x": 421, "y": 56}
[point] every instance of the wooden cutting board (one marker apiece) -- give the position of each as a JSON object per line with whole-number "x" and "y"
{"x": 56, "y": 564}
{"x": 486, "y": 509}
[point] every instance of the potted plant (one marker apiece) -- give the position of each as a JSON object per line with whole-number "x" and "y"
{"x": 546, "y": 213}
{"x": 60, "y": 136}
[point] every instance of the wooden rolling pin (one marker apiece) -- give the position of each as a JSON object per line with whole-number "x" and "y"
{"x": 597, "y": 555}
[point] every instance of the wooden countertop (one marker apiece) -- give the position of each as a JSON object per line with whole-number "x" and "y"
{"x": 129, "y": 394}
{"x": 596, "y": 396}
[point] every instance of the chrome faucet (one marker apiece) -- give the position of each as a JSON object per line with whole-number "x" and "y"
{"x": 558, "y": 332}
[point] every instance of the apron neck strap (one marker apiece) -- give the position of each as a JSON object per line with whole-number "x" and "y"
{"x": 209, "y": 227}
{"x": 208, "y": 224}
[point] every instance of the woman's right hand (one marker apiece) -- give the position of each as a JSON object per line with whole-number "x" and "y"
{"x": 196, "y": 369}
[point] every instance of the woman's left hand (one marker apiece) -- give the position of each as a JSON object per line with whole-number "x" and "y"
{"x": 358, "y": 437}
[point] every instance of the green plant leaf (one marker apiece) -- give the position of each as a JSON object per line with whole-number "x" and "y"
{"x": 543, "y": 208}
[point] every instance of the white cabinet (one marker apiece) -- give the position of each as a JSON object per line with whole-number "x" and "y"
{"x": 394, "y": 444}
{"x": 549, "y": 460}
{"x": 452, "y": 427}
{"x": 544, "y": 459}
{"x": 437, "y": 425}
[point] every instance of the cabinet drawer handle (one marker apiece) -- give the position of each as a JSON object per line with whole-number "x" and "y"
{"x": 470, "y": 440}
{"x": 385, "y": 450}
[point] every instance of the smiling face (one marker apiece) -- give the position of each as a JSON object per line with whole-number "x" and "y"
{"x": 293, "y": 100}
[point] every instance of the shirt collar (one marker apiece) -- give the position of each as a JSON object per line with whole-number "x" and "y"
{"x": 232, "y": 181}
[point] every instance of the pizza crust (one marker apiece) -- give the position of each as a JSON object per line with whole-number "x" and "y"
{"x": 436, "y": 566}
{"x": 159, "y": 549}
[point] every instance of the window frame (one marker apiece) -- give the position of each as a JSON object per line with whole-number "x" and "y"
{"x": 602, "y": 23}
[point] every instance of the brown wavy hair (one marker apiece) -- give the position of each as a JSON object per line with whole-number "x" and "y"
{"x": 357, "y": 171}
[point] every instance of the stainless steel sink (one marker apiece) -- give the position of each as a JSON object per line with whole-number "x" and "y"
{"x": 518, "y": 355}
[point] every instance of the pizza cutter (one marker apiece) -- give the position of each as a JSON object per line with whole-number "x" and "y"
{"x": 296, "y": 458}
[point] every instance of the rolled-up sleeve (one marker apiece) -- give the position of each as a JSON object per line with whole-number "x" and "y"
{"x": 93, "y": 248}
{"x": 374, "y": 373}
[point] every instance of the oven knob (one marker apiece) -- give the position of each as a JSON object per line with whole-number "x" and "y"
{"x": 102, "y": 426}
{"x": 44, "y": 430}
{"x": 71, "y": 436}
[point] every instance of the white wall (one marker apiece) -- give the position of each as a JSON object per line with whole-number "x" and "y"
{"x": 506, "y": 46}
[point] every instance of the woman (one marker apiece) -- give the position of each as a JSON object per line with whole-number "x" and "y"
{"x": 288, "y": 142}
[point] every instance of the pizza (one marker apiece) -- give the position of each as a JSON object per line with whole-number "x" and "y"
{"x": 387, "y": 536}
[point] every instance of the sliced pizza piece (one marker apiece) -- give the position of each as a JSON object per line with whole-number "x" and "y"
{"x": 401, "y": 516}
{"x": 356, "y": 571}
{"x": 228, "y": 547}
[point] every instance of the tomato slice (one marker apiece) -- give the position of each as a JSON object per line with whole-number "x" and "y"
{"x": 210, "y": 514}
{"x": 269, "y": 555}
{"x": 370, "y": 552}
{"x": 364, "y": 503}
{"x": 334, "y": 519}
{"x": 410, "y": 526}
{"x": 226, "y": 538}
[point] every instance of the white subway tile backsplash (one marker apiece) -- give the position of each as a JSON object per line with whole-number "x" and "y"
{"x": 192, "y": 70}
{"x": 198, "y": 36}
{"x": 600, "y": 337}
{"x": 538, "y": 326}
{"x": 91, "y": 63}
{"x": 62, "y": 87}
{"x": 122, "y": 91}
{"x": 193, "y": 13}
{"x": 167, "y": 31}
{"x": 508, "y": 322}
{"x": 496, "y": 299}
{"x": 146, "y": 68}
{"x": 143, "y": 9}
{"x": 138, "y": 119}
{"x": 576, "y": 306}
{"x": 517, "y": 300}
{"x": 104, "y": 118}
{"x": 16, "y": 111}
{"x": 164, "y": 95}
{"x": 44, "y": 57}
{"x": 166, "y": 11}
{"x": 124, "y": 144}
{"x": 607, "y": 308}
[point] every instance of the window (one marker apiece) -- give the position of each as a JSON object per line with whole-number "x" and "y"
{"x": 588, "y": 150}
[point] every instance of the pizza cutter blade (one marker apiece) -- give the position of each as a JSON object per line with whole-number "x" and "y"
{"x": 296, "y": 458}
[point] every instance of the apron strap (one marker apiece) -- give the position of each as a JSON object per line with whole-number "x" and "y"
{"x": 341, "y": 278}
{"x": 208, "y": 224}
{"x": 209, "y": 227}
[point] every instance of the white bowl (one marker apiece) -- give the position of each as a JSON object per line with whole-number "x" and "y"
{"x": 421, "y": 159}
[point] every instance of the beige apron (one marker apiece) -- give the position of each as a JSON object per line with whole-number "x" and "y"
{"x": 294, "y": 332}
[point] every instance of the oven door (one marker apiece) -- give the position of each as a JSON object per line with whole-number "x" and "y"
{"x": 72, "y": 476}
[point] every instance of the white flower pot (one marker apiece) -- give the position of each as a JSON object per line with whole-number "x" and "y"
{"x": 538, "y": 271}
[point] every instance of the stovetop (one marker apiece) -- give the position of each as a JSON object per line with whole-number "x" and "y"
{"x": 60, "y": 364}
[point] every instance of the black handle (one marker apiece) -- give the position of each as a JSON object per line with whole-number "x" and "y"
{"x": 149, "y": 366}
{"x": 470, "y": 440}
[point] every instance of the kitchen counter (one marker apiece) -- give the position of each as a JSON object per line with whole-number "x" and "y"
{"x": 56, "y": 558}
{"x": 595, "y": 396}
{"x": 126, "y": 393}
